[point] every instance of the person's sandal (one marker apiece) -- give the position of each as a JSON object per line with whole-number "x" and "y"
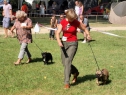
{"x": 16, "y": 63}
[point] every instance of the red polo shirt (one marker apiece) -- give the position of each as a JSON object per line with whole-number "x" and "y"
{"x": 70, "y": 29}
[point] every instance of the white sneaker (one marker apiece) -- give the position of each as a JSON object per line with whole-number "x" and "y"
{"x": 84, "y": 41}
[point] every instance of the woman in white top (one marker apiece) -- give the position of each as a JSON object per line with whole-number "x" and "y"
{"x": 77, "y": 8}
{"x": 42, "y": 8}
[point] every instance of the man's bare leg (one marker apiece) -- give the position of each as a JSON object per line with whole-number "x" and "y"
{"x": 6, "y": 32}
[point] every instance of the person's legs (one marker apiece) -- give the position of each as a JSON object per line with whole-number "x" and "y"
{"x": 53, "y": 32}
{"x": 6, "y": 32}
{"x": 22, "y": 50}
{"x": 85, "y": 35}
{"x": 6, "y": 25}
{"x": 50, "y": 34}
{"x": 71, "y": 51}
{"x": 21, "y": 53}
{"x": 28, "y": 54}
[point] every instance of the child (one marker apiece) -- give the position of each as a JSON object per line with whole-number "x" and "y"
{"x": 53, "y": 23}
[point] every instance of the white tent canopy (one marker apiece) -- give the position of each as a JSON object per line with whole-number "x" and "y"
{"x": 118, "y": 13}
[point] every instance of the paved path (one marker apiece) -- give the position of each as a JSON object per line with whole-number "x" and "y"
{"x": 44, "y": 30}
{"x": 107, "y": 28}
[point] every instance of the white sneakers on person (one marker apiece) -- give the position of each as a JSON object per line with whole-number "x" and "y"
{"x": 84, "y": 41}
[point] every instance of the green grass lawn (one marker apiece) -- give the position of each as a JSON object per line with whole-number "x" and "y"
{"x": 39, "y": 79}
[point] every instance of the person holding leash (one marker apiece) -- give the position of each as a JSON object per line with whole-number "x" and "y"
{"x": 85, "y": 21}
{"x": 69, "y": 44}
{"x": 23, "y": 26}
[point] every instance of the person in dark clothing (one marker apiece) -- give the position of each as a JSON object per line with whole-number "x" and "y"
{"x": 64, "y": 5}
{"x": 71, "y": 4}
{"x": 50, "y": 3}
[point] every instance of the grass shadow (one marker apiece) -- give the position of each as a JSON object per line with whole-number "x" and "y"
{"x": 49, "y": 63}
{"x": 108, "y": 82}
{"x": 1, "y": 42}
{"x": 92, "y": 40}
{"x": 36, "y": 60}
{"x": 88, "y": 41}
{"x": 84, "y": 78}
{"x": 40, "y": 60}
{"x": 80, "y": 39}
{"x": 88, "y": 78}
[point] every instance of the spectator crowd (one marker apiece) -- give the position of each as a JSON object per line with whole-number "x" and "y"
{"x": 53, "y": 7}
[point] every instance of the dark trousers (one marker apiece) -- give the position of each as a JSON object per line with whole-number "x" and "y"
{"x": 51, "y": 34}
{"x": 70, "y": 48}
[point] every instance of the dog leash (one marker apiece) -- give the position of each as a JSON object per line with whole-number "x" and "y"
{"x": 38, "y": 47}
{"x": 64, "y": 51}
{"x": 41, "y": 25}
{"x": 93, "y": 55}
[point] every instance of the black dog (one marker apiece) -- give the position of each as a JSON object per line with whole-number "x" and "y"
{"x": 46, "y": 56}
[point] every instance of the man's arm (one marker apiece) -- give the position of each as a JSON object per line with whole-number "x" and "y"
{"x": 11, "y": 12}
{"x": 3, "y": 13}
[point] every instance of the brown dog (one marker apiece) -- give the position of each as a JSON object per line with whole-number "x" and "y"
{"x": 102, "y": 76}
